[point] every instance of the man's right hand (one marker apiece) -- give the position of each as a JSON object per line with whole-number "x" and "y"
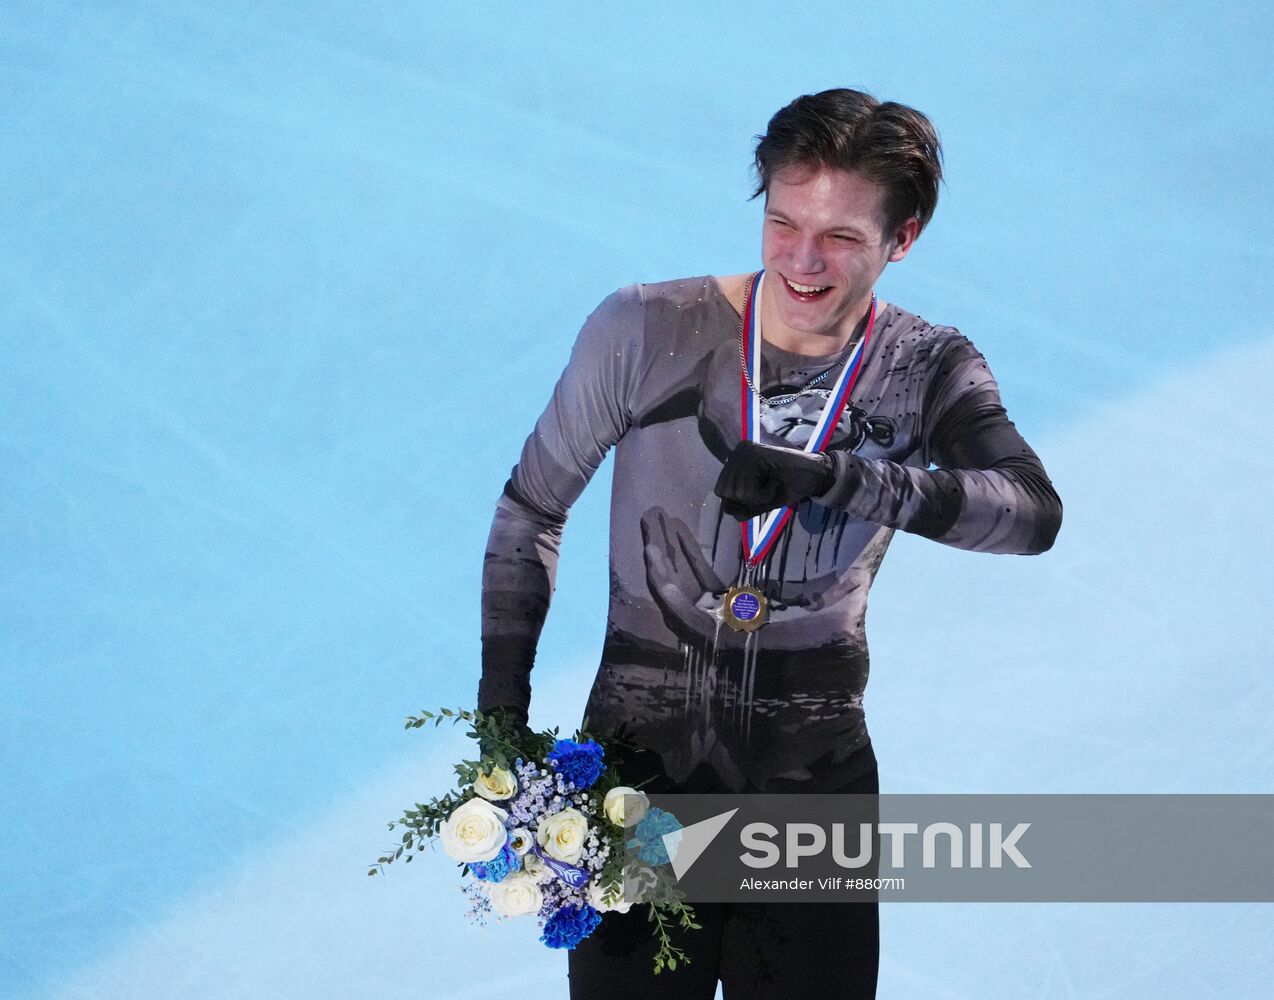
{"x": 511, "y": 727}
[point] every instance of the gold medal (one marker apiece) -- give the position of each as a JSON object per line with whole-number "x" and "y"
{"x": 744, "y": 609}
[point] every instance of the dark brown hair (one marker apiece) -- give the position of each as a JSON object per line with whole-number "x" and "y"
{"x": 890, "y": 144}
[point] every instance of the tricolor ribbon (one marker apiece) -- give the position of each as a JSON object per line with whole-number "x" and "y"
{"x": 760, "y": 533}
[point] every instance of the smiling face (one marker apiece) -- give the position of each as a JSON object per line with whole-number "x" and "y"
{"x": 824, "y": 245}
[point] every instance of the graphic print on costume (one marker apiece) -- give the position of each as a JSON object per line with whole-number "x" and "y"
{"x": 793, "y": 422}
{"x": 655, "y": 374}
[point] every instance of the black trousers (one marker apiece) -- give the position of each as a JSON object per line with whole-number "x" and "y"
{"x": 823, "y": 950}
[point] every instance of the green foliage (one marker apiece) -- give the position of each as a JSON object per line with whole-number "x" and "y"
{"x": 502, "y": 739}
{"x": 667, "y": 954}
{"x": 421, "y": 825}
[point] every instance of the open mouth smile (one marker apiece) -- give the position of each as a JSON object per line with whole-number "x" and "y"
{"x": 805, "y": 293}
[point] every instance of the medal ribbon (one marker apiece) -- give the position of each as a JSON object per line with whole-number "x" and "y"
{"x": 760, "y": 533}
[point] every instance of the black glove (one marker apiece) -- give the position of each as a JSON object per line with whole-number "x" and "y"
{"x": 511, "y": 727}
{"x": 761, "y": 477}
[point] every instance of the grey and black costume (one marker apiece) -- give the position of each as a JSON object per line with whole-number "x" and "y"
{"x": 655, "y": 373}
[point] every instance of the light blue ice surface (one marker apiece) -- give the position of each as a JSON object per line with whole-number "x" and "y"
{"x": 283, "y": 288}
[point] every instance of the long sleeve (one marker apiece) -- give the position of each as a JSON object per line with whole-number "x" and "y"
{"x": 589, "y": 411}
{"x": 989, "y": 492}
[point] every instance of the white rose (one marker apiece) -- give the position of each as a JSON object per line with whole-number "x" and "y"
{"x": 474, "y": 831}
{"x": 611, "y": 897}
{"x": 614, "y": 805}
{"x": 563, "y": 835}
{"x": 520, "y": 840}
{"x": 499, "y": 784}
{"x": 534, "y": 866}
{"x": 516, "y": 895}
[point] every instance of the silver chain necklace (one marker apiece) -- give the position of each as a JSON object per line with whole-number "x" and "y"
{"x": 791, "y": 396}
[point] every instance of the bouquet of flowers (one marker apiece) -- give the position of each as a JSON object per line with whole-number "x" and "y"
{"x": 539, "y": 826}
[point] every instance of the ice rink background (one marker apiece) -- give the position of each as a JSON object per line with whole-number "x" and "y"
{"x": 282, "y": 290}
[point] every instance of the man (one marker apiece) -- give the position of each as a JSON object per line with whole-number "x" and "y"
{"x": 735, "y": 651}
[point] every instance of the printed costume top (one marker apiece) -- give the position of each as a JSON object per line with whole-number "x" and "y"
{"x": 654, "y": 373}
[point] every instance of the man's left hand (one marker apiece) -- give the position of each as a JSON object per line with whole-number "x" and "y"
{"x": 758, "y": 478}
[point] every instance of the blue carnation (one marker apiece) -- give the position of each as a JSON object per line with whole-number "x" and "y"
{"x": 648, "y": 839}
{"x": 497, "y": 868}
{"x": 580, "y": 763}
{"x": 570, "y": 925}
